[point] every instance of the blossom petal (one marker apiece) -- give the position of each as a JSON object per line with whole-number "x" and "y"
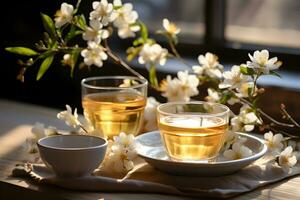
{"x": 166, "y": 23}
{"x": 229, "y": 154}
{"x": 268, "y": 136}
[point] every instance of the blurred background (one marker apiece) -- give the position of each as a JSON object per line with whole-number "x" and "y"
{"x": 228, "y": 28}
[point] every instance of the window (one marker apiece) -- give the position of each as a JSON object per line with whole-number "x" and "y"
{"x": 265, "y": 22}
{"x": 229, "y": 28}
{"x": 188, "y": 15}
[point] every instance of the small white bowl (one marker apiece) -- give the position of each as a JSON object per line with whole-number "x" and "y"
{"x": 72, "y": 155}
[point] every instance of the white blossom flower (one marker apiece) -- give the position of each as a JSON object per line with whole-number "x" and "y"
{"x": 120, "y": 159}
{"x": 150, "y": 122}
{"x": 127, "y": 30}
{"x": 122, "y": 153}
{"x": 233, "y": 100}
{"x": 103, "y": 11}
{"x": 170, "y": 28}
{"x": 260, "y": 61}
{"x": 243, "y": 89}
{"x": 287, "y": 159}
{"x": 68, "y": 60}
{"x": 38, "y": 131}
{"x": 153, "y": 54}
{"x": 214, "y": 96}
{"x": 128, "y": 83}
{"x": 274, "y": 142}
{"x": 64, "y": 15}
{"x": 209, "y": 66}
{"x": 238, "y": 151}
{"x": 95, "y": 32}
{"x": 124, "y": 14}
{"x": 208, "y": 61}
{"x": 231, "y": 138}
{"x": 245, "y": 121}
{"x": 238, "y": 125}
{"x": 198, "y": 70}
{"x": 297, "y": 155}
{"x": 181, "y": 88}
{"x": 94, "y": 54}
{"x": 189, "y": 82}
{"x": 125, "y": 19}
{"x": 233, "y": 78}
{"x": 171, "y": 90}
{"x": 70, "y": 118}
{"x": 124, "y": 140}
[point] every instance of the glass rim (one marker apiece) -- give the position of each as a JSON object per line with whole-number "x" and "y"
{"x": 143, "y": 82}
{"x": 226, "y": 111}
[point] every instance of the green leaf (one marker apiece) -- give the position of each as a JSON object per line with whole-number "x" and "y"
{"x": 48, "y": 25}
{"x": 22, "y": 51}
{"x": 144, "y": 31}
{"x": 132, "y": 52}
{"x": 255, "y": 102}
{"x": 138, "y": 41}
{"x": 45, "y": 54}
{"x": 44, "y": 67}
{"x": 225, "y": 97}
{"x": 75, "y": 55}
{"x": 80, "y": 21}
{"x": 150, "y": 41}
{"x": 247, "y": 70}
{"x": 72, "y": 33}
{"x": 152, "y": 76}
{"x": 273, "y": 73}
{"x": 250, "y": 91}
{"x": 175, "y": 39}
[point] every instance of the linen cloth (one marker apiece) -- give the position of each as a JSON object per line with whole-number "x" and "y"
{"x": 145, "y": 178}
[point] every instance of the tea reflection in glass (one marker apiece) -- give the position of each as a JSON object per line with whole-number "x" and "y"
{"x": 193, "y": 131}
{"x": 113, "y": 109}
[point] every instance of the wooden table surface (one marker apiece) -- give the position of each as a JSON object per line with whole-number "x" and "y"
{"x": 16, "y": 120}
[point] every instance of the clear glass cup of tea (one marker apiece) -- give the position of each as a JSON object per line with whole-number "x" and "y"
{"x": 193, "y": 131}
{"x": 114, "y": 104}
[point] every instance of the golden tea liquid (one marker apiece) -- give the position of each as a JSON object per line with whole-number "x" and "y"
{"x": 115, "y": 112}
{"x": 192, "y": 138}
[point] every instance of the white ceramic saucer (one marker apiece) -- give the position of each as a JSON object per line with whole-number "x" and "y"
{"x": 150, "y": 148}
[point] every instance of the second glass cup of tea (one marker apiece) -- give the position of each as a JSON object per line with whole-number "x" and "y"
{"x": 193, "y": 131}
{"x": 114, "y": 104}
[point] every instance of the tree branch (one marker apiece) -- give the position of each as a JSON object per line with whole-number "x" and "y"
{"x": 268, "y": 116}
{"x": 175, "y": 52}
{"x": 288, "y": 116}
{"x": 119, "y": 61}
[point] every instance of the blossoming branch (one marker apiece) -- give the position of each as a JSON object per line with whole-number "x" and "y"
{"x": 103, "y": 20}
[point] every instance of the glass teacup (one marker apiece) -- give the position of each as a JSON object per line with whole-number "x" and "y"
{"x": 193, "y": 131}
{"x": 114, "y": 104}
